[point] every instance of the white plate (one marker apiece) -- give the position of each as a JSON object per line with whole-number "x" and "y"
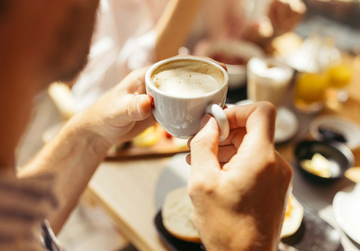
{"x": 350, "y": 130}
{"x": 346, "y": 206}
{"x": 176, "y": 174}
{"x": 287, "y": 125}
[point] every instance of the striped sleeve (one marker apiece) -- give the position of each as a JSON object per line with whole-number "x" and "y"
{"x": 24, "y": 205}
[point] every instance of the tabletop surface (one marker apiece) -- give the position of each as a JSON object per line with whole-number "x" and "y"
{"x": 126, "y": 188}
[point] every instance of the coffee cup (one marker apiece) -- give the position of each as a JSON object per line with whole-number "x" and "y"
{"x": 182, "y": 90}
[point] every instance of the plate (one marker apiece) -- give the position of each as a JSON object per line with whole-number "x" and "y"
{"x": 173, "y": 243}
{"x": 346, "y": 206}
{"x": 313, "y": 234}
{"x": 313, "y": 231}
{"x": 286, "y": 126}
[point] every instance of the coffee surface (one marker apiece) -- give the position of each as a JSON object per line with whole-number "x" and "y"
{"x": 187, "y": 78}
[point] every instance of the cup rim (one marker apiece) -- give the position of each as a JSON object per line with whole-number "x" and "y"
{"x": 289, "y": 71}
{"x": 165, "y": 61}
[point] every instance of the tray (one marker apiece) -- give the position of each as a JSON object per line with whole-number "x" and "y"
{"x": 165, "y": 146}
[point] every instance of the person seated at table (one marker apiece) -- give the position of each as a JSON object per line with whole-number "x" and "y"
{"x": 132, "y": 34}
{"x": 239, "y": 197}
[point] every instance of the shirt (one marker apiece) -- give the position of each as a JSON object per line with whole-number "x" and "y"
{"x": 24, "y": 206}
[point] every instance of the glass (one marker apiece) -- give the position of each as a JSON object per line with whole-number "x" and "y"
{"x": 310, "y": 91}
{"x": 339, "y": 77}
{"x": 268, "y": 80}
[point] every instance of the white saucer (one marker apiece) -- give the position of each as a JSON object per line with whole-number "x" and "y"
{"x": 350, "y": 130}
{"x": 346, "y": 206}
{"x": 287, "y": 125}
{"x": 176, "y": 174}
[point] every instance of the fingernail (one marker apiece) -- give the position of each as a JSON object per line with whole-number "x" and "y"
{"x": 204, "y": 120}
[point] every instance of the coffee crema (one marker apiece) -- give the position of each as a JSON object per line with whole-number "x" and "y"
{"x": 187, "y": 78}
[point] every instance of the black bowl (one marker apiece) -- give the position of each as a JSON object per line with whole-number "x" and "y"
{"x": 338, "y": 154}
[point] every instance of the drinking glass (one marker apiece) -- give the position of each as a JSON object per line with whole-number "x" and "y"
{"x": 310, "y": 91}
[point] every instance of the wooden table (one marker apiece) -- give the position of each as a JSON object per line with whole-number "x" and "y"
{"x": 126, "y": 188}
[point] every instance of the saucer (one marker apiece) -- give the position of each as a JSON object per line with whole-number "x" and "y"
{"x": 286, "y": 126}
{"x": 346, "y": 206}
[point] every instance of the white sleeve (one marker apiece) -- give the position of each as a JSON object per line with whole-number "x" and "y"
{"x": 137, "y": 52}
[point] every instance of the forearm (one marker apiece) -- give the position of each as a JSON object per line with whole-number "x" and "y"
{"x": 174, "y": 25}
{"x": 73, "y": 155}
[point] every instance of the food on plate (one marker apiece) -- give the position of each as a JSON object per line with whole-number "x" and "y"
{"x": 229, "y": 59}
{"x": 318, "y": 165}
{"x": 178, "y": 220}
{"x": 147, "y": 138}
{"x": 177, "y": 215}
{"x": 293, "y": 217}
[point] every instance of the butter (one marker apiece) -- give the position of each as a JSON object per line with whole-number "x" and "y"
{"x": 318, "y": 165}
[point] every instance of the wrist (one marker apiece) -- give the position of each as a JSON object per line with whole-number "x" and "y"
{"x": 241, "y": 236}
{"x": 84, "y": 127}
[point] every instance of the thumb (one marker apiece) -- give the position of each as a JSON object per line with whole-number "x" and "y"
{"x": 204, "y": 147}
{"x": 138, "y": 108}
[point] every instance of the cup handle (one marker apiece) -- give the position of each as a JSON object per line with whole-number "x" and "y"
{"x": 221, "y": 119}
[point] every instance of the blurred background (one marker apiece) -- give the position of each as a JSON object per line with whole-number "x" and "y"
{"x": 301, "y": 55}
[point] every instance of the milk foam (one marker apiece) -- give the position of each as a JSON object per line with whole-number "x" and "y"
{"x": 187, "y": 78}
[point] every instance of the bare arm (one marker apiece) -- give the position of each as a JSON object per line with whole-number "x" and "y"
{"x": 174, "y": 25}
{"x": 81, "y": 145}
{"x": 73, "y": 155}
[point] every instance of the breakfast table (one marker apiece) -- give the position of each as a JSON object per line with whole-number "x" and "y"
{"x": 126, "y": 188}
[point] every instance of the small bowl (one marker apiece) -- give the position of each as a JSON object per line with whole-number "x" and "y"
{"x": 338, "y": 154}
{"x": 242, "y": 49}
{"x": 349, "y": 129}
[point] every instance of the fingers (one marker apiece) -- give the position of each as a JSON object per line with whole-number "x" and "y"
{"x": 138, "y": 108}
{"x": 225, "y": 153}
{"x": 258, "y": 119}
{"x": 235, "y": 137}
{"x": 137, "y": 128}
{"x": 204, "y": 148}
{"x": 254, "y": 124}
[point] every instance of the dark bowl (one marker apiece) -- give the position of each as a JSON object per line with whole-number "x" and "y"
{"x": 338, "y": 154}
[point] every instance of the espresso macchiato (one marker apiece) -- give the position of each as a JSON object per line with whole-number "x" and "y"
{"x": 187, "y": 78}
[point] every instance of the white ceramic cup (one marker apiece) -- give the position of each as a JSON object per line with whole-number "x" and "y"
{"x": 180, "y": 116}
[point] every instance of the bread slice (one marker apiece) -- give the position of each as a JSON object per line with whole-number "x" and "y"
{"x": 293, "y": 217}
{"x": 177, "y": 215}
